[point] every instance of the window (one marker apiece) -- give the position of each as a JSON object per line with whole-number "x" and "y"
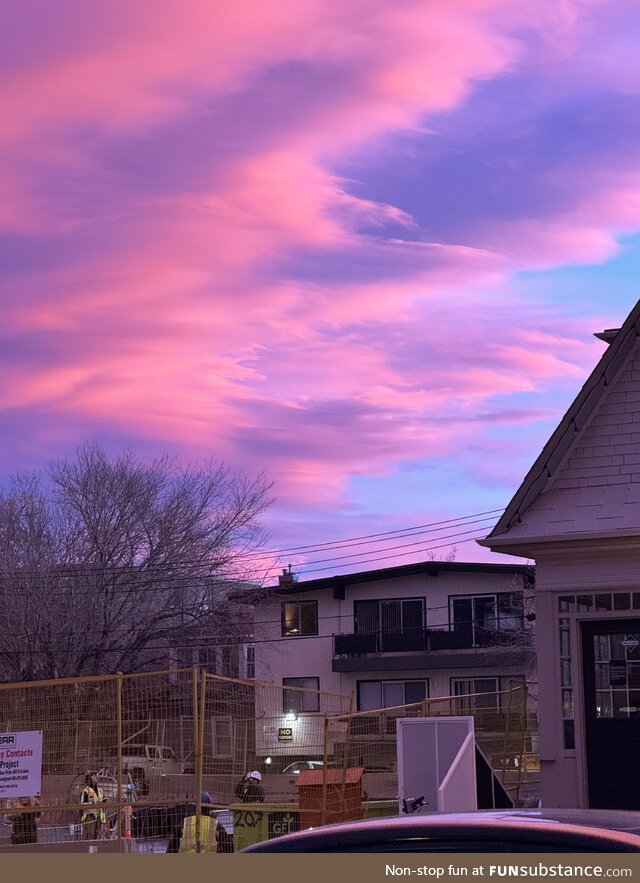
{"x": 398, "y": 622}
{"x": 567, "y": 606}
{"x": 221, "y": 736}
{"x": 480, "y": 694}
{"x": 480, "y": 617}
{"x": 207, "y": 658}
{"x": 389, "y": 616}
{"x": 387, "y": 694}
{"x": 303, "y": 695}
{"x": 186, "y": 657}
{"x": 470, "y": 687}
{"x": 230, "y": 661}
{"x": 251, "y": 662}
{"x": 299, "y": 618}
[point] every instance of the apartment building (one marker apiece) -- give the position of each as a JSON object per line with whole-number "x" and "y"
{"x": 395, "y": 636}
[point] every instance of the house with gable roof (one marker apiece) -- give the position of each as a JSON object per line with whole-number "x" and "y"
{"x": 577, "y": 513}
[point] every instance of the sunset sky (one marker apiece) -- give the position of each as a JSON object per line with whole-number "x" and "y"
{"x": 360, "y": 245}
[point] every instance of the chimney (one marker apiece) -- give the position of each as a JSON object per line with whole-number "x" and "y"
{"x": 608, "y": 335}
{"x": 287, "y": 578}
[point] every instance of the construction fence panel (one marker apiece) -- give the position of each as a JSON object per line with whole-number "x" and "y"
{"x": 252, "y": 726}
{"x": 161, "y": 746}
{"x": 506, "y": 730}
{"x": 157, "y": 746}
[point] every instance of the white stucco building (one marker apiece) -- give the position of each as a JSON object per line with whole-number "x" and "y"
{"x": 577, "y": 513}
{"x": 395, "y": 636}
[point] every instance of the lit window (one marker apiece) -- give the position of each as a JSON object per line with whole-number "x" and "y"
{"x": 299, "y": 618}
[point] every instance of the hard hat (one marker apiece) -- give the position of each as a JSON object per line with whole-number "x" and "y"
{"x": 255, "y": 775}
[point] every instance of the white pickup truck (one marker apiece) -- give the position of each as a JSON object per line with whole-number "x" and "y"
{"x": 155, "y": 760}
{"x": 141, "y": 764}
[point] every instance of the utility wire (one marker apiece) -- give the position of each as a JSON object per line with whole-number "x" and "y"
{"x": 400, "y": 533}
{"x": 401, "y": 530}
{"x": 79, "y": 571}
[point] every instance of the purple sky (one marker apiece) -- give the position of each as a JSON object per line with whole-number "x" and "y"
{"x": 361, "y": 245}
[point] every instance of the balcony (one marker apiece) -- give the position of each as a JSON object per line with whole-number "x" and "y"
{"x": 429, "y": 648}
{"x": 379, "y": 642}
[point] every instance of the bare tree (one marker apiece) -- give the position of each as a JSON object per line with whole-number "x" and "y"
{"x": 107, "y": 563}
{"x": 450, "y": 555}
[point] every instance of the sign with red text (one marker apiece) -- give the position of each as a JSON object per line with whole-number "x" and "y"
{"x": 21, "y": 764}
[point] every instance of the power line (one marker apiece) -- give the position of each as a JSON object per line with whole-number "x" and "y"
{"x": 175, "y": 581}
{"x": 415, "y": 531}
{"x": 136, "y": 591}
{"x": 338, "y": 545}
{"x": 390, "y": 548}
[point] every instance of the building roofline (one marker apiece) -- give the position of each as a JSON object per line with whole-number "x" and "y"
{"x": 430, "y": 567}
{"x": 520, "y": 545}
{"x": 570, "y": 427}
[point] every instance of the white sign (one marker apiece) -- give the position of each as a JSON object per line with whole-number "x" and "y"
{"x": 21, "y": 764}
{"x": 630, "y": 643}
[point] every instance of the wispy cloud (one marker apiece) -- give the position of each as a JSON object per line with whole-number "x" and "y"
{"x": 285, "y": 234}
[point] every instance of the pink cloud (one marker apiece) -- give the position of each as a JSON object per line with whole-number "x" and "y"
{"x": 184, "y": 311}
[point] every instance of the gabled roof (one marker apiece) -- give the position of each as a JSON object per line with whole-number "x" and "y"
{"x": 540, "y": 477}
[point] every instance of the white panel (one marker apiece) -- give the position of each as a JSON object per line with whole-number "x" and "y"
{"x": 457, "y": 793}
{"x": 427, "y": 748}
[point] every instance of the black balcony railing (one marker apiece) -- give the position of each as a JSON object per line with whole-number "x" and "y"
{"x": 355, "y": 645}
{"x": 407, "y": 639}
{"x": 428, "y": 640}
{"x": 445, "y": 639}
{"x": 380, "y": 642}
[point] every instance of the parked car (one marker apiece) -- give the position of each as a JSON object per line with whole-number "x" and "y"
{"x": 297, "y": 766}
{"x": 509, "y": 831}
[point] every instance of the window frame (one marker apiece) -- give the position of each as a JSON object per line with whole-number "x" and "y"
{"x": 299, "y": 604}
{"x": 379, "y": 602}
{"x": 287, "y": 705}
{"x": 382, "y": 682}
{"x": 498, "y": 625}
{"x": 250, "y": 662}
{"x": 219, "y": 739}
{"x": 230, "y": 661}
{"x": 500, "y": 687}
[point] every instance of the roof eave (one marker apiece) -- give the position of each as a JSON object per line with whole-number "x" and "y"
{"x": 529, "y": 546}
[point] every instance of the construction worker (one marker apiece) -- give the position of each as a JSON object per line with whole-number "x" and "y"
{"x": 92, "y": 818}
{"x": 23, "y": 824}
{"x": 213, "y": 837}
{"x": 249, "y": 789}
